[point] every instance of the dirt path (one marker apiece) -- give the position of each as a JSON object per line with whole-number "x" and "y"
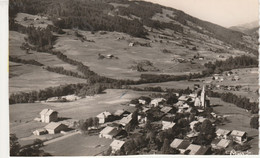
{"x": 61, "y": 138}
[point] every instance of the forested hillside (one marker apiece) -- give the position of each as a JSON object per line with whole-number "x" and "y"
{"x": 129, "y": 17}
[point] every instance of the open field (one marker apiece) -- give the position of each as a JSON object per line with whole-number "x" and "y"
{"x": 239, "y": 119}
{"x": 117, "y": 44}
{"x": 29, "y": 77}
{"x": 111, "y": 101}
{"x": 79, "y": 145}
{"x": 15, "y": 41}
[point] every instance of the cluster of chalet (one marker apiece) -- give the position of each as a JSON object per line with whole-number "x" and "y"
{"x": 166, "y": 115}
{"x": 51, "y": 117}
{"x": 229, "y": 76}
{"x": 222, "y": 141}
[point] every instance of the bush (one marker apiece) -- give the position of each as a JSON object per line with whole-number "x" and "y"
{"x": 254, "y": 122}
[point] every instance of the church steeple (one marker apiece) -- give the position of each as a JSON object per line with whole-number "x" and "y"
{"x": 203, "y": 96}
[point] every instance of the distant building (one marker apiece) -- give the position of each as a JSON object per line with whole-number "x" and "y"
{"x": 103, "y": 117}
{"x": 220, "y": 143}
{"x": 109, "y": 132}
{"x": 166, "y": 109}
{"x": 180, "y": 144}
{"x": 157, "y": 101}
{"x": 48, "y": 115}
{"x": 167, "y": 125}
{"x": 193, "y": 149}
{"x": 223, "y": 133}
{"x": 192, "y": 124}
{"x": 117, "y": 145}
{"x": 126, "y": 120}
{"x": 40, "y": 131}
{"x": 239, "y": 136}
{"x": 121, "y": 113}
{"x": 55, "y": 127}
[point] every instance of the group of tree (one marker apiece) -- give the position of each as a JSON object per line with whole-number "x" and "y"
{"x": 219, "y": 66}
{"x": 29, "y": 150}
{"x": 239, "y": 101}
{"x": 83, "y": 125}
{"x": 254, "y": 122}
{"x": 23, "y": 61}
{"x": 61, "y": 70}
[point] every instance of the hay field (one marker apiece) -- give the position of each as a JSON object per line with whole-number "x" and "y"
{"x": 28, "y": 77}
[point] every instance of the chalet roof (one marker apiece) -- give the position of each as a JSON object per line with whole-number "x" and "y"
{"x": 117, "y": 144}
{"x": 44, "y": 111}
{"x": 145, "y": 109}
{"x": 41, "y": 130}
{"x": 107, "y": 130}
{"x": 193, "y": 123}
{"x": 104, "y": 114}
{"x": 50, "y": 112}
{"x": 157, "y": 100}
{"x": 126, "y": 120}
{"x": 180, "y": 143}
{"x": 202, "y": 150}
{"x": 168, "y": 125}
{"x": 201, "y": 119}
{"x": 166, "y": 109}
{"x": 115, "y": 131}
{"x": 222, "y": 131}
{"x": 238, "y": 133}
{"x": 200, "y": 110}
{"x": 119, "y": 112}
{"x": 191, "y": 135}
{"x": 183, "y": 98}
{"x": 193, "y": 149}
{"x": 179, "y": 103}
{"x": 53, "y": 125}
{"x": 223, "y": 143}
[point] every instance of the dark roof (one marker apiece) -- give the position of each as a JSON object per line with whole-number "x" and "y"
{"x": 115, "y": 132}
{"x": 184, "y": 144}
{"x": 202, "y": 151}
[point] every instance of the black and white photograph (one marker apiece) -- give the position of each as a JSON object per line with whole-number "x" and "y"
{"x": 132, "y": 77}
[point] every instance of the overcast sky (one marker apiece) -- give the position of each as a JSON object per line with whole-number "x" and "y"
{"x": 223, "y": 12}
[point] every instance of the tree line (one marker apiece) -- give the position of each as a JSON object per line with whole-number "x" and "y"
{"x": 219, "y": 66}
{"x": 239, "y": 101}
{"x": 61, "y": 70}
{"x": 18, "y": 60}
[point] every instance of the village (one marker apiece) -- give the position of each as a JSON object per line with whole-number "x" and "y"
{"x": 179, "y": 124}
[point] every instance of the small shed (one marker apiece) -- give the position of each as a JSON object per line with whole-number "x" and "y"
{"x": 40, "y": 131}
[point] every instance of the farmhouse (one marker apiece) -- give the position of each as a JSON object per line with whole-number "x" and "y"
{"x": 126, "y": 120}
{"x": 180, "y": 144}
{"x": 183, "y": 98}
{"x": 102, "y": 117}
{"x": 40, "y": 131}
{"x": 166, "y": 109}
{"x": 48, "y": 115}
{"x": 223, "y": 143}
{"x": 121, "y": 113}
{"x": 117, "y": 145}
{"x": 222, "y": 133}
{"x": 167, "y": 125}
{"x": 155, "y": 102}
{"x": 192, "y": 124}
{"x": 239, "y": 136}
{"x": 193, "y": 149}
{"x": 109, "y": 132}
{"x": 55, "y": 127}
